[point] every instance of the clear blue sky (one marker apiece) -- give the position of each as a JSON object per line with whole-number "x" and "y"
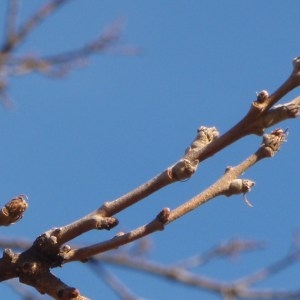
{"x": 72, "y": 144}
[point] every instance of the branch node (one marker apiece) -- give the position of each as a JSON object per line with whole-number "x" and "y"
{"x": 183, "y": 170}
{"x": 272, "y": 142}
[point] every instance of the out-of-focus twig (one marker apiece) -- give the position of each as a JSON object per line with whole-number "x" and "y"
{"x": 239, "y": 289}
{"x": 113, "y": 281}
{"x": 263, "y": 274}
{"x": 230, "y": 248}
{"x": 60, "y": 64}
{"x": 14, "y": 39}
{"x": 22, "y": 291}
{"x": 12, "y": 15}
{"x": 56, "y": 65}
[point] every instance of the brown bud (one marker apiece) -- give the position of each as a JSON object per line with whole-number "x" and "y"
{"x": 262, "y": 96}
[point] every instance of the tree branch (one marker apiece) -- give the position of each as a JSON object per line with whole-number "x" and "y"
{"x": 224, "y": 186}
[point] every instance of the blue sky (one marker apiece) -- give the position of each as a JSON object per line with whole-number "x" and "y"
{"x": 74, "y": 143}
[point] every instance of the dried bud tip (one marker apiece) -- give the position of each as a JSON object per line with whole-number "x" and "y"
{"x": 163, "y": 215}
{"x": 228, "y": 168}
{"x": 296, "y": 63}
{"x": 121, "y": 233}
{"x": 262, "y": 96}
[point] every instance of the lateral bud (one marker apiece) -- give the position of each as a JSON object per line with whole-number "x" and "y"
{"x": 272, "y": 142}
{"x": 262, "y": 96}
{"x": 205, "y": 135}
{"x": 296, "y": 64}
{"x": 107, "y": 223}
{"x": 183, "y": 170}
{"x": 163, "y": 215}
{"x": 240, "y": 186}
{"x": 14, "y": 209}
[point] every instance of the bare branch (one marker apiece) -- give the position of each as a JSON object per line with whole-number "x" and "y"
{"x": 82, "y": 254}
{"x": 49, "y": 250}
{"x": 248, "y": 125}
{"x": 46, "y": 10}
{"x": 61, "y": 235}
{"x": 224, "y": 186}
{"x": 280, "y": 113}
{"x": 271, "y": 144}
{"x": 188, "y": 164}
{"x": 183, "y": 169}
